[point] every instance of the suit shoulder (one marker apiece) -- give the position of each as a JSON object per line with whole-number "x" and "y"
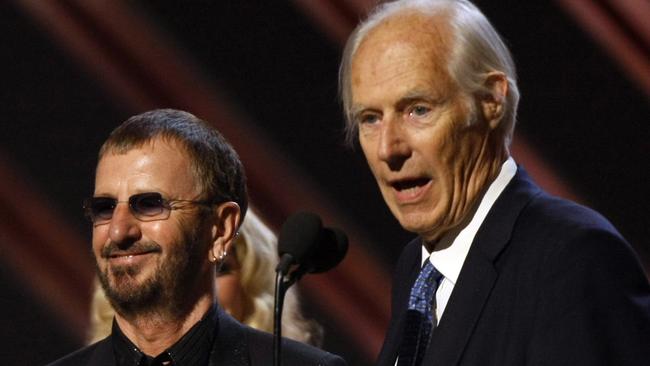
{"x": 550, "y": 224}
{"x": 566, "y": 216}
{"x": 293, "y": 352}
{"x": 568, "y": 235}
{"x": 81, "y": 356}
{"x": 411, "y": 253}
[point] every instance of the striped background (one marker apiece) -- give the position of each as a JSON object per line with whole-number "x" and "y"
{"x": 264, "y": 72}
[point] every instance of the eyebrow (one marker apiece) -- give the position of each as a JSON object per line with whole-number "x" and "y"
{"x": 355, "y": 111}
{"x": 418, "y": 94}
{"x": 407, "y": 99}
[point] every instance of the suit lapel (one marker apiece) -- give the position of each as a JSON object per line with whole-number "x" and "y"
{"x": 407, "y": 273}
{"x": 462, "y": 312}
{"x": 230, "y": 346}
{"x": 478, "y": 274}
{"x": 103, "y": 354}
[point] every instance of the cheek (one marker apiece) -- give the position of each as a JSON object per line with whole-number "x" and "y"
{"x": 369, "y": 157}
{"x": 99, "y": 238}
{"x": 443, "y": 151}
{"x": 368, "y": 147}
{"x": 365, "y": 145}
{"x": 162, "y": 228}
{"x": 167, "y": 233}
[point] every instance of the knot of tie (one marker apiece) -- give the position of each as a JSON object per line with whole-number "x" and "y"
{"x": 423, "y": 290}
{"x": 419, "y": 322}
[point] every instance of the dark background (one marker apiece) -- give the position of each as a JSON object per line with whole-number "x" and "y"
{"x": 581, "y": 113}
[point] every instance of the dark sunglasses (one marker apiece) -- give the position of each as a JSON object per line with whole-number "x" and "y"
{"x": 148, "y": 206}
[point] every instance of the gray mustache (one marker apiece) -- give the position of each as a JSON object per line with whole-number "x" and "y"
{"x": 112, "y": 249}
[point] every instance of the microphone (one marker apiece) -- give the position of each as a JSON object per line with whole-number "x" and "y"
{"x": 304, "y": 242}
{"x": 298, "y": 238}
{"x": 330, "y": 251}
{"x": 305, "y": 246}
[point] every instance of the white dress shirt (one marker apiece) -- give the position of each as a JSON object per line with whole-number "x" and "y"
{"x": 449, "y": 261}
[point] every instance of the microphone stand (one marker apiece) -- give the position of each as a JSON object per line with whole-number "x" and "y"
{"x": 282, "y": 284}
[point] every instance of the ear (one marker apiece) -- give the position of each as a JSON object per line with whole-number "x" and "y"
{"x": 224, "y": 229}
{"x": 492, "y": 101}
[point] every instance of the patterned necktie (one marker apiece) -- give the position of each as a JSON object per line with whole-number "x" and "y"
{"x": 419, "y": 316}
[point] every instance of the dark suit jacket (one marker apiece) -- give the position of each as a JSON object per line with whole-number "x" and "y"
{"x": 235, "y": 345}
{"x": 546, "y": 282}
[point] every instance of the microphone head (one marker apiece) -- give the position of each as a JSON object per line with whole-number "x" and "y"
{"x": 299, "y": 236}
{"x": 332, "y": 248}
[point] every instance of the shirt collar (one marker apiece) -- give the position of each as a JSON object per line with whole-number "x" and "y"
{"x": 449, "y": 261}
{"x": 126, "y": 353}
{"x": 192, "y": 349}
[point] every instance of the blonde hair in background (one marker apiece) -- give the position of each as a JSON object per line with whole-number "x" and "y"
{"x": 256, "y": 251}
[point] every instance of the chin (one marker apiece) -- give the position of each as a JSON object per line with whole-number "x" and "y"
{"x": 418, "y": 223}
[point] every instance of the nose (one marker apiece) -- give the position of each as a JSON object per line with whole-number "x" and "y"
{"x": 393, "y": 147}
{"x": 124, "y": 228}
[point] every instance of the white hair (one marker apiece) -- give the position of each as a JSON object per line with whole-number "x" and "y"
{"x": 476, "y": 50}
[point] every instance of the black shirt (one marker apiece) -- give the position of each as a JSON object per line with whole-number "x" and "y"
{"x": 193, "y": 349}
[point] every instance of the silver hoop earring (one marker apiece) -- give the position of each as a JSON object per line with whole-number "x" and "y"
{"x": 220, "y": 261}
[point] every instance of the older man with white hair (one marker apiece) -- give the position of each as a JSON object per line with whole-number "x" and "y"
{"x": 501, "y": 273}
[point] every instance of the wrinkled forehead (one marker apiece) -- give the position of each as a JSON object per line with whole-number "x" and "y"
{"x": 404, "y": 47}
{"x": 429, "y": 34}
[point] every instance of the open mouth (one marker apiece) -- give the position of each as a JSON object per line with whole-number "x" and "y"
{"x": 410, "y": 190}
{"x": 410, "y": 184}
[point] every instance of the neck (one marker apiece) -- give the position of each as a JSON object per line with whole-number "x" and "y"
{"x": 155, "y": 332}
{"x": 482, "y": 170}
{"x": 447, "y": 238}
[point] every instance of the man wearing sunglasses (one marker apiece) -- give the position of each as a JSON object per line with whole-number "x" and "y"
{"x": 170, "y": 193}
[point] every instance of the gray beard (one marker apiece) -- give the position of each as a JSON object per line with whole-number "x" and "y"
{"x": 169, "y": 293}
